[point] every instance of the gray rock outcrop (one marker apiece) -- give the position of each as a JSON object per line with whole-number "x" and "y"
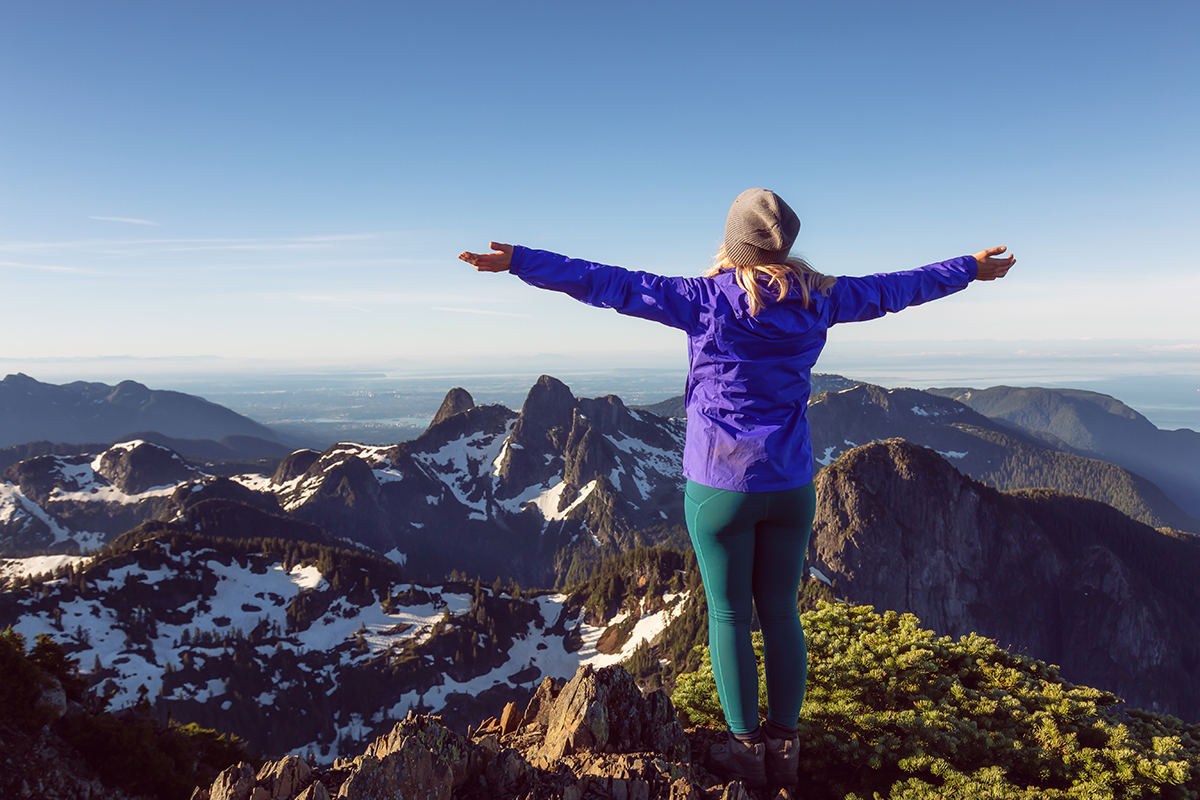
{"x": 595, "y": 736}
{"x": 605, "y": 712}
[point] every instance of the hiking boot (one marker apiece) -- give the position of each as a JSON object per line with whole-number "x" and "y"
{"x": 783, "y": 759}
{"x": 742, "y": 761}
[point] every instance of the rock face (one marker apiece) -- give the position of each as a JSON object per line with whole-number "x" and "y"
{"x": 45, "y": 767}
{"x": 1066, "y": 578}
{"x": 293, "y": 466}
{"x": 604, "y": 740}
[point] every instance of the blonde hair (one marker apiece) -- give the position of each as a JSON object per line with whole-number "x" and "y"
{"x": 780, "y": 279}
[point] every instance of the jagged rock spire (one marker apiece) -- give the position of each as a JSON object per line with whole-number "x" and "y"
{"x": 457, "y": 401}
{"x": 549, "y": 406}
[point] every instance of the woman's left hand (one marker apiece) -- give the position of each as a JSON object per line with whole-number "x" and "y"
{"x": 991, "y": 265}
{"x": 490, "y": 262}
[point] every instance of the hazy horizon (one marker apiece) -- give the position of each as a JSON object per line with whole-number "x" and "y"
{"x": 1160, "y": 380}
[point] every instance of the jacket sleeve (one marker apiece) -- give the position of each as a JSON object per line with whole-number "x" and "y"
{"x": 671, "y": 301}
{"x": 857, "y": 299}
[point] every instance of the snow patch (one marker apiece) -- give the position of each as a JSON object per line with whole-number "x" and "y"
{"x": 38, "y": 565}
{"x": 307, "y": 577}
{"x": 827, "y": 459}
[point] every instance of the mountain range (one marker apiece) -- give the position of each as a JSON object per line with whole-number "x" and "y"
{"x": 32, "y": 411}
{"x": 485, "y": 490}
{"x": 1097, "y": 426}
{"x": 345, "y": 585}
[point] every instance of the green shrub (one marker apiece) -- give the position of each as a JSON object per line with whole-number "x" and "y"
{"x": 893, "y": 711}
{"x": 130, "y": 750}
{"x": 21, "y": 685}
{"x": 142, "y": 756}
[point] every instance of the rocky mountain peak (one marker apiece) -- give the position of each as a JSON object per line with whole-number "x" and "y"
{"x": 542, "y": 429}
{"x": 137, "y": 466}
{"x": 457, "y": 401}
{"x": 547, "y": 413}
{"x": 20, "y": 381}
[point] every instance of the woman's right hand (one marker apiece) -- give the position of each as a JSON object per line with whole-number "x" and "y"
{"x": 490, "y": 262}
{"x": 991, "y": 266}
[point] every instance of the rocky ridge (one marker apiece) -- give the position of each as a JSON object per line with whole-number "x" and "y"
{"x": 1097, "y": 426}
{"x": 594, "y": 737}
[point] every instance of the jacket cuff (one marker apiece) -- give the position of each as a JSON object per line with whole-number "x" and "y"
{"x": 519, "y": 256}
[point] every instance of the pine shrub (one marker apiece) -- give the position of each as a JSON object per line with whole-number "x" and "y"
{"x": 895, "y": 712}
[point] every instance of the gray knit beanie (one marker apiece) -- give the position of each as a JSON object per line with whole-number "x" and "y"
{"x": 760, "y": 229}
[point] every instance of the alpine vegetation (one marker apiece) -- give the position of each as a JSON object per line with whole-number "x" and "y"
{"x": 895, "y": 711}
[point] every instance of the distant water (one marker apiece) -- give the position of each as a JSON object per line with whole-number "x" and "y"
{"x": 1159, "y": 381}
{"x": 1170, "y": 402}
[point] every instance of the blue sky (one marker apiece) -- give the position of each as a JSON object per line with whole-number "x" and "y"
{"x": 287, "y": 185}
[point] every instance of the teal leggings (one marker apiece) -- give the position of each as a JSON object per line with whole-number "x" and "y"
{"x": 750, "y": 547}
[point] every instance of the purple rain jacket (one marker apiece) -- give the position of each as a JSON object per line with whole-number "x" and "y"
{"x": 748, "y": 377}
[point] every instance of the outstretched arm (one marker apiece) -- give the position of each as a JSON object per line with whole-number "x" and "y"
{"x": 991, "y": 265}
{"x": 857, "y": 299}
{"x": 671, "y": 301}
{"x": 498, "y": 261}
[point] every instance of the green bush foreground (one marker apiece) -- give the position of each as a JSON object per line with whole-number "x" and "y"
{"x": 895, "y": 712}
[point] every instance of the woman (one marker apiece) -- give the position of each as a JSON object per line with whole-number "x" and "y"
{"x": 755, "y": 322}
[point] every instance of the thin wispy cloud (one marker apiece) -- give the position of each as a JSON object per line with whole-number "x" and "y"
{"x": 478, "y": 311}
{"x": 45, "y": 267}
{"x": 135, "y": 246}
{"x": 130, "y": 220}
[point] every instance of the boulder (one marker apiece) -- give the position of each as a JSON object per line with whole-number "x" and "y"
{"x": 286, "y": 778}
{"x": 538, "y": 710}
{"x": 234, "y": 783}
{"x": 52, "y": 702}
{"x": 604, "y": 711}
{"x": 409, "y": 770}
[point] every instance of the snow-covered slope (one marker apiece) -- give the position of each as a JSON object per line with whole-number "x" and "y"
{"x": 301, "y": 654}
